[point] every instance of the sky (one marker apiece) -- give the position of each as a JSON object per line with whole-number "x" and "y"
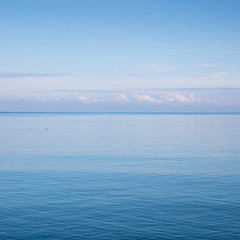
{"x": 120, "y": 55}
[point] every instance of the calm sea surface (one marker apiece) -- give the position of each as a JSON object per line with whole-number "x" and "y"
{"x": 119, "y": 176}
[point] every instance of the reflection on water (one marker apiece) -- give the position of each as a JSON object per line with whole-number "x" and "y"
{"x": 119, "y": 176}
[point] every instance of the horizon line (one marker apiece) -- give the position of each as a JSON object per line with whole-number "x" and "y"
{"x": 193, "y": 113}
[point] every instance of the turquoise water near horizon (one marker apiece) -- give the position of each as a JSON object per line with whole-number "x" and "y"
{"x": 119, "y": 176}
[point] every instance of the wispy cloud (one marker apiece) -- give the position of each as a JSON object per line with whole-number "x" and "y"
{"x": 219, "y": 89}
{"x": 133, "y": 75}
{"x": 25, "y": 75}
{"x": 87, "y": 91}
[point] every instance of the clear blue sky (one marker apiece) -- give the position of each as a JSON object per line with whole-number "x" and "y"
{"x": 119, "y": 55}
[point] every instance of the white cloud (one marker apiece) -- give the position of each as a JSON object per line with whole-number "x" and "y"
{"x": 136, "y": 97}
{"x": 181, "y": 98}
{"x": 83, "y": 99}
{"x": 119, "y": 98}
{"x": 173, "y": 99}
{"x": 176, "y": 97}
{"x": 145, "y": 98}
{"x": 122, "y": 98}
{"x": 41, "y": 99}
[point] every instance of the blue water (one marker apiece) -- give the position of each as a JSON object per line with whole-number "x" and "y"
{"x": 119, "y": 176}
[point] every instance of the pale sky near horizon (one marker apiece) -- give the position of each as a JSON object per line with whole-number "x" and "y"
{"x": 120, "y": 55}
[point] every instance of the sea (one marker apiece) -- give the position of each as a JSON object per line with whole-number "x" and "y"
{"x": 119, "y": 176}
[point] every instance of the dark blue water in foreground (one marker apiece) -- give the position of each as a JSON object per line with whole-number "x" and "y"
{"x": 119, "y": 176}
